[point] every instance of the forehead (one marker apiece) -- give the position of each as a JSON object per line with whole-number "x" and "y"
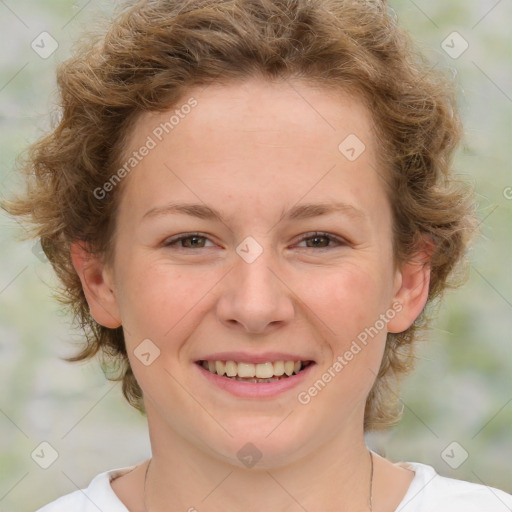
{"x": 256, "y": 141}
{"x": 276, "y": 113}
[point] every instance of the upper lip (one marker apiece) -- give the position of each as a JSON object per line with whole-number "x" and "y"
{"x": 260, "y": 357}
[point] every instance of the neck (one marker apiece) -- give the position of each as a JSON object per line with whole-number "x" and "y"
{"x": 336, "y": 475}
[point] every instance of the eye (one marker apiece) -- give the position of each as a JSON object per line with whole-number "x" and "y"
{"x": 319, "y": 240}
{"x": 322, "y": 240}
{"x": 188, "y": 241}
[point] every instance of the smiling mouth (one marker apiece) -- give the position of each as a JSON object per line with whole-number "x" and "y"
{"x": 255, "y": 372}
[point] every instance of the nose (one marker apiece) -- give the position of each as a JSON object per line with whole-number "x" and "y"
{"x": 255, "y": 298}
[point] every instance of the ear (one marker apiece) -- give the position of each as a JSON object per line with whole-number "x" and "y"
{"x": 97, "y": 284}
{"x": 412, "y": 283}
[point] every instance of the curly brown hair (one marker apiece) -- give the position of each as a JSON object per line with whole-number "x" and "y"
{"x": 153, "y": 51}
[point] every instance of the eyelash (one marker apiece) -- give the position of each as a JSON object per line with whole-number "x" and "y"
{"x": 317, "y": 234}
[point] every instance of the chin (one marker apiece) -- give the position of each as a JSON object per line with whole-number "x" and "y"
{"x": 263, "y": 444}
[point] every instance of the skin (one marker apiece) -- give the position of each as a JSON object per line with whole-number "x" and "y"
{"x": 253, "y": 150}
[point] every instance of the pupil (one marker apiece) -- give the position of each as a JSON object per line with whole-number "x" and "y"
{"x": 316, "y": 238}
{"x": 193, "y": 240}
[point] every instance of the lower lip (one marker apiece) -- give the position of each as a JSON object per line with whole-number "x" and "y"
{"x": 256, "y": 389}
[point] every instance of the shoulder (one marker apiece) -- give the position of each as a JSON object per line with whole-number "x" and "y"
{"x": 98, "y": 495}
{"x": 430, "y": 491}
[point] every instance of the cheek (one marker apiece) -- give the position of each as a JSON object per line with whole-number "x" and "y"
{"x": 349, "y": 304}
{"x": 164, "y": 304}
{"x": 347, "y": 300}
{"x": 159, "y": 300}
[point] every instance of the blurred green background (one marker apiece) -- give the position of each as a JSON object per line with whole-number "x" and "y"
{"x": 461, "y": 390}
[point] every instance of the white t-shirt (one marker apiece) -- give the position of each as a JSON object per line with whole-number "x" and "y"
{"x": 428, "y": 492}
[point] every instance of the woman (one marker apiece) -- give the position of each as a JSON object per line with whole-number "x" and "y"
{"x": 250, "y": 204}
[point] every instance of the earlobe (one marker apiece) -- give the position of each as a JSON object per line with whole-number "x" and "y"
{"x": 413, "y": 282}
{"x": 97, "y": 285}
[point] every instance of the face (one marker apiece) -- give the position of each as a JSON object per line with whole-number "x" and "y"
{"x": 286, "y": 256}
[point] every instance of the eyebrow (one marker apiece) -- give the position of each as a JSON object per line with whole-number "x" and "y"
{"x": 298, "y": 212}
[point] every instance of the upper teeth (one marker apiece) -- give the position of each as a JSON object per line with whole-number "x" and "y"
{"x": 250, "y": 370}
